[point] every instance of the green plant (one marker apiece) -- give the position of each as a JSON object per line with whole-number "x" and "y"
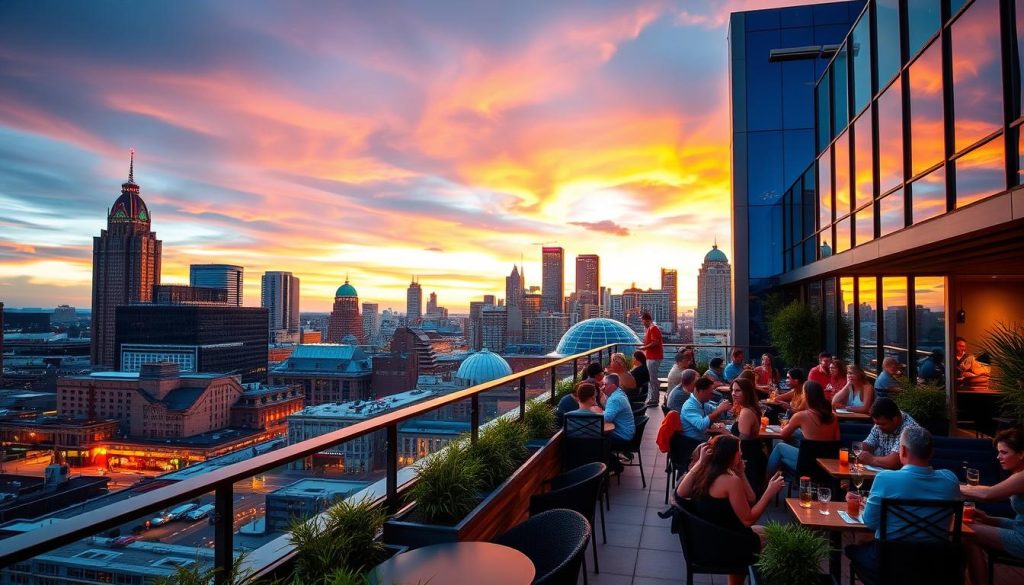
{"x": 199, "y": 573}
{"x": 1005, "y": 347}
{"x": 500, "y": 449}
{"x": 563, "y": 387}
{"x": 921, "y": 401}
{"x": 346, "y": 535}
{"x": 449, "y": 484}
{"x": 540, "y": 420}
{"x": 792, "y": 554}
{"x": 796, "y": 330}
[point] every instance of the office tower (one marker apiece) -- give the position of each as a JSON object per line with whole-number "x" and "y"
{"x": 530, "y": 309}
{"x": 772, "y": 121}
{"x": 345, "y": 319}
{"x": 490, "y": 300}
{"x": 493, "y": 328}
{"x": 279, "y": 295}
{"x": 226, "y": 276}
{"x": 371, "y": 323}
{"x": 636, "y": 301}
{"x": 552, "y": 279}
{"x": 125, "y": 266}
{"x": 64, "y": 314}
{"x": 432, "y": 303}
{"x": 712, "y": 324}
{"x": 221, "y": 339}
{"x": 588, "y": 279}
{"x": 413, "y": 304}
{"x": 183, "y": 294}
{"x": 514, "y": 290}
{"x": 669, "y": 284}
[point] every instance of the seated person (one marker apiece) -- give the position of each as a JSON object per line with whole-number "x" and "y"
{"x": 677, "y": 371}
{"x": 735, "y": 366}
{"x": 617, "y": 411}
{"x": 858, "y": 394}
{"x": 882, "y": 445}
{"x": 678, "y": 396}
{"x": 593, "y": 374}
{"x": 688, "y": 360}
{"x": 1005, "y": 535}
{"x": 970, "y": 373}
{"x": 820, "y": 373}
{"x": 794, "y": 398}
{"x": 748, "y": 374}
{"x": 698, "y": 413}
{"x": 640, "y": 373}
{"x": 746, "y": 409}
{"x": 721, "y": 494}
{"x": 617, "y": 365}
{"x": 836, "y": 378}
{"x": 915, "y": 479}
{"x": 817, "y": 422}
{"x": 586, "y": 395}
{"x": 766, "y": 374}
{"x": 715, "y": 372}
{"x": 570, "y": 401}
{"x": 932, "y": 369}
{"x": 886, "y": 381}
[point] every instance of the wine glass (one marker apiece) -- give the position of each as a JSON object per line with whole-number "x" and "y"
{"x": 856, "y": 477}
{"x": 824, "y": 497}
{"x": 857, "y": 447}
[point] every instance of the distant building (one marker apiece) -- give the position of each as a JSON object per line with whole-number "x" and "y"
{"x": 712, "y": 316}
{"x": 413, "y": 304}
{"x": 181, "y": 294}
{"x": 514, "y": 288}
{"x": 371, "y": 323}
{"x": 552, "y": 279}
{"x": 326, "y": 373}
{"x": 226, "y": 276}
{"x": 305, "y": 498}
{"x": 125, "y": 267}
{"x": 345, "y": 319}
{"x": 550, "y": 328}
{"x": 262, "y": 407}
{"x": 588, "y": 279}
{"x": 279, "y": 295}
{"x": 71, "y": 435}
{"x": 493, "y": 328}
{"x": 670, "y": 284}
{"x": 410, "y": 355}
{"x": 63, "y": 314}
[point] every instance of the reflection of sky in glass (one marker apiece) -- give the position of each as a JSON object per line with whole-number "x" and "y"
{"x": 824, "y": 112}
{"x": 842, "y": 171}
{"x": 867, "y": 300}
{"x": 929, "y": 195}
{"x": 926, "y": 110}
{"x": 981, "y": 172}
{"x": 839, "y": 103}
{"x": 864, "y": 184}
{"x": 890, "y": 213}
{"x": 922, "y": 21}
{"x": 861, "y": 57}
{"x": 1020, "y": 51}
{"x": 930, "y": 320}
{"x": 977, "y": 78}
{"x": 846, "y": 296}
{"x": 887, "y": 23}
{"x": 864, "y": 225}
{"x": 825, "y": 188}
{"x": 890, "y": 138}
{"x": 808, "y": 201}
{"x": 894, "y": 302}
{"x": 842, "y": 236}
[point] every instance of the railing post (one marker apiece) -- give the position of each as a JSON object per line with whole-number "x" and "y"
{"x": 554, "y": 382}
{"x": 575, "y": 370}
{"x": 223, "y": 531}
{"x": 391, "y": 499}
{"x": 522, "y": 398}
{"x": 474, "y": 418}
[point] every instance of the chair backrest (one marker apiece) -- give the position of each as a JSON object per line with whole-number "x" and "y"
{"x": 756, "y": 462}
{"x": 554, "y": 541}
{"x": 583, "y": 440}
{"x": 919, "y": 541}
{"x": 638, "y": 435}
{"x": 681, "y": 450}
{"x": 576, "y": 489}
{"x": 702, "y": 544}
{"x": 811, "y": 450}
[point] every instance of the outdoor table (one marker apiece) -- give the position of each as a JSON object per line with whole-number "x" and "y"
{"x": 484, "y": 563}
{"x": 832, "y": 467}
{"x": 845, "y": 415}
{"x": 771, "y": 432}
{"x": 608, "y": 427}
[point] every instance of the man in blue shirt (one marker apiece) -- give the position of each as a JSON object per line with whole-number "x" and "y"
{"x": 735, "y": 367}
{"x": 698, "y": 414}
{"x": 915, "y": 480}
{"x": 886, "y": 381}
{"x": 618, "y": 412}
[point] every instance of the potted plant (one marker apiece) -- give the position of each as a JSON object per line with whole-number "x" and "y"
{"x": 563, "y": 387}
{"x": 926, "y": 403}
{"x": 344, "y": 537}
{"x": 796, "y": 330}
{"x": 792, "y": 555}
{"x": 1005, "y": 347}
{"x": 540, "y": 421}
{"x": 200, "y": 573}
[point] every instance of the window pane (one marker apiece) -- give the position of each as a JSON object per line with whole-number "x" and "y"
{"x": 1020, "y": 62}
{"x": 894, "y": 317}
{"x": 830, "y": 315}
{"x": 846, "y": 304}
{"x": 861, "y": 56}
{"x": 977, "y": 74}
{"x": 810, "y": 250}
{"x": 887, "y": 21}
{"x": 808, "y": 203}
{"x": 930, "y": 323}
{"x": 926, "y": 110}
{"x": 839, "y": 82}
{"x": 929, "y": 194}
{"x": 890, "y": 138}
{"x": 867, "y": 299}
{"x": 922, "y": 21}
{"x": 825, "y": 188}
{"x": 825, "y": 111}
{"x": 890, "y": 213}
{"x": 814, "y": 296}
{"x": 956, "y": 5}
{"x": 981, "y": 172}
{"x": 842, "y": 236}
{"x": 864, "y": 225}
{"x": 842, "y": 172}
{"x": 864, "y": 184}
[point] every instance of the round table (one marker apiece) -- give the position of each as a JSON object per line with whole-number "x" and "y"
{"x": 482, "y": 563}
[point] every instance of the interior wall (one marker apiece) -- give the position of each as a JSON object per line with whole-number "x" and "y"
{"x": 986, "y": 302}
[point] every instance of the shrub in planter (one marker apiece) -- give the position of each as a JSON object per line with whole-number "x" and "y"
{"x": 1005, "y": 347}
{"x": 792, "y": 555}
{"x": 449, "y": 484}
{"x": 499, "y": 450}
{"x": 563, "y": 387}
{"x": 925, "y": 402}
{"x": 539, "y": 420}
{"x": 345, "y": 537}
{"x": 197, "y": 574}
{"x": 796, "y": 330}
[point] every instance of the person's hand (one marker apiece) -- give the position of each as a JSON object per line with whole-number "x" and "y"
{"x": 723, "y": 406}
{"x": 703, "y": 453}
{"x": 982, "y": 517}
{"x": 866, "y": 458}
{"x": 740, "y": 468}
{"x": 775, "y": 484}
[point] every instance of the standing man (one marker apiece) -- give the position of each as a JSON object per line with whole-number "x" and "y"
{"x": 655, "y": 352}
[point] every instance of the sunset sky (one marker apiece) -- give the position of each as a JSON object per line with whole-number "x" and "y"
{"x": 378, "y": 140}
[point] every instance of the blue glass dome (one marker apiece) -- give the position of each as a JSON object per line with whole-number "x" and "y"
{"x": 593, "y": 333}
{"x": 715, "y": 255}
{"x": 483, "y": 366}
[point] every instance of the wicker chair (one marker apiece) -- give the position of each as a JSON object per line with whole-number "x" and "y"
{"x": 555, "y": 541}
{"x": 579, "y": 490}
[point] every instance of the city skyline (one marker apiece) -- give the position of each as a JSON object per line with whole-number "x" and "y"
{"x": 433, "y": 141}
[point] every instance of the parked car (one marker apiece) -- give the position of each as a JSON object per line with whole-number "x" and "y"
{"x": 200, "y": 512}
{"x": 179, "y": 512}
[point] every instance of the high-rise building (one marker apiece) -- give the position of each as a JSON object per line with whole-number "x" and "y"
{"x": 279, "y": 295}
{"x": 530, "y": 309}
{"x": 371, "y": 323}
{"x": 226, "y": 276}
{"x": 588, "y": 279}
{"x": 670, "y": 284}
{"x": 552, "y": 279}
{"x": 345, "y": 319}
{"x": 125, "y": 266}
{"x": 712, "y": 317}
{"x": 432, "y": 303}
{"x": 413, "y": 303}
{"x": 514, "y": 289}
{"x": 493, "y": 328}
{"x": 183, "y": 294}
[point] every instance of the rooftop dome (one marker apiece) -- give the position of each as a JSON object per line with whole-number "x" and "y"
{"x": 715, "y": 255}
{"x": 483, "y": 366}
{"x": 346, "y": 290}
{"x": 129, "y": 207}
{"x": 593, "y": 333}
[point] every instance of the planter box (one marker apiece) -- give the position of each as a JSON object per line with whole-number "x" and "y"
{"x": 506, "y": 506}
{"x": 757, "y": 579}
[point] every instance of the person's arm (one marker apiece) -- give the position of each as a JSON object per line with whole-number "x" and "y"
{"x": 748, "y": 514}
{"x": 740, "y": 471}
{"x": 786, "y": 396}
{"x": 794, "y": 423}
{"x": 890, "y": 461}
{"x": 841, "y": 398}
{"x": 685, "y": 487}
{"x": 867, "y": 397}
{"x": 695, "y": 417}
{"x": 750, "y": 424}
{"x": 723, "y": 407}
{"x": 873, "y": 504}
{"x": 1001, "y": 491}
{"x": 611, "y": 409}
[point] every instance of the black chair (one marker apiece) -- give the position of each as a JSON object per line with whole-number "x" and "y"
{"x": 756, "y": 463}
{"x": 998, "y": 558}
{"x": 926, "y": 548}
{"x": 633, "y": 448}
{"x": 709, "y": 548}
{"x": 639, "y": 408}
{"x": 806, "y": 463}
{"x": 680, "y": 449}
{"x": 584, "y": 442}
{"x": 579, "y": 490}
{"x": 555, "y": 541}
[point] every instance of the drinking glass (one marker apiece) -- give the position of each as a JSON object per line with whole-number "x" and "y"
{"x": 853, "y": 501}
{"x": 972, "y": 476}
{"x": 856, "y": 477}
{"x": 824, "y": 497}
{"x": 968, "y": 512}
{"x": 857, "y": 447}
{"x": 844, "y": 458}
{"x": 783, "y": 419}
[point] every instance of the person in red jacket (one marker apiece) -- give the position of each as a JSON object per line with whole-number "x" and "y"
{"x": 655, "y": 352}
{"x": 820, "y": 373}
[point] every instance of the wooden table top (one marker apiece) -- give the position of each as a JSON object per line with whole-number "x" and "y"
{"x": 843, "y": 414}
{"x": 812, "y": 518}
{"x": 832, "y": 467}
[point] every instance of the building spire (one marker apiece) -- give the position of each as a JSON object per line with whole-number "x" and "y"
{"x": 715, "y": 246}
{"x": 131, "y": 167}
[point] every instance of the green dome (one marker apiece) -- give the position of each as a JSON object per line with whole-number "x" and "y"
{"x": 715, "y": 255}
{"x": 346, "y": 290}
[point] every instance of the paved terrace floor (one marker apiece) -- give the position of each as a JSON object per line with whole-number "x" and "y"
{"x": 642, "y": 551}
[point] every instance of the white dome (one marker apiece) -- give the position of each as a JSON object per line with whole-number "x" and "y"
{"x": 483, "y": 366}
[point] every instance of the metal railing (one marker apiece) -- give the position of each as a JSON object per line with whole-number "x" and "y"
{"x": 62, "y": 532}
